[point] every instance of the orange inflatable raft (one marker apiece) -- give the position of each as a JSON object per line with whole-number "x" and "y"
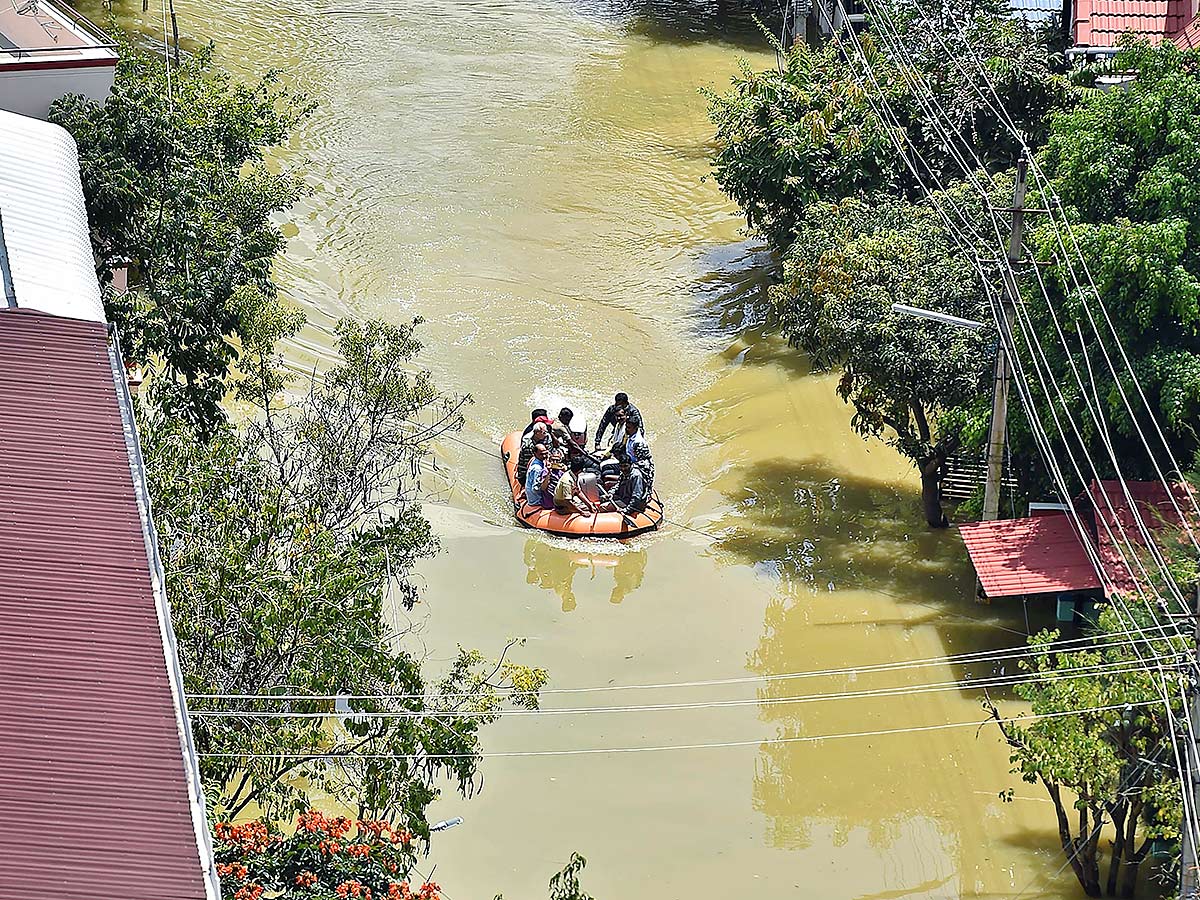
{"x": 605, "y": 524}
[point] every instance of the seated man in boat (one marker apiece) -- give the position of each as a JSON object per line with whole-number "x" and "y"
{"x": 561, "y": 428}
{"x": 537, "y": 477}
{"x": 538, "y": 434}
{"x": 633, "y": 491}
{"x": 610, "y": 466}
{"x": 637, "y": 447}
{"x": 568, "y": 498}
{"x": 617, "y": 413}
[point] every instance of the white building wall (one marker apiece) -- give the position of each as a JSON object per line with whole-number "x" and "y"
{"x": 30, "y": 93}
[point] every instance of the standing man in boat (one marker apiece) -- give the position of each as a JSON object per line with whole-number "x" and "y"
{"x": 620, "y": 409}
{"x": 637, "y": 448}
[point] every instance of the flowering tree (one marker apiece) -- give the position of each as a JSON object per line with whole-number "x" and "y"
{"x": 325, "y": 858}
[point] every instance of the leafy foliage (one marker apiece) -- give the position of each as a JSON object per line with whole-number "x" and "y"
{"x": 1123, "y": 164}
{"x": 565, "y": 885}
{"x": 1102, "y": 750}
{"x": 324, "y": 858}
{"x": 918, "y": 384}
{"x": 817, "y": 131}
{"x": 178, "y": 189}
{"x": 285, "y": 543}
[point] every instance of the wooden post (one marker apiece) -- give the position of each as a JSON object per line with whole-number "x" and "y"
{"x": 175, "y": 32}
{"x": 996, "y": 437}
{"x": 1189, "y": 862}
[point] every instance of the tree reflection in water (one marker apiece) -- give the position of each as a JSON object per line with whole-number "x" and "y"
{"x": 553, "y": 568}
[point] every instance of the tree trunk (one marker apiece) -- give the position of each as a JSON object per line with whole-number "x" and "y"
{"x": 931, "y": 493}
{"x": 1117, "y": 814}
{"x": 1133, "y": 859}
{"x": 1085, "y": 870}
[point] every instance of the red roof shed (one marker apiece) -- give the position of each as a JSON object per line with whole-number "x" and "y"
{"x": 99, "y": 793}
{"x": 1038, "y": 555}
{"x": 1044, "y": 554}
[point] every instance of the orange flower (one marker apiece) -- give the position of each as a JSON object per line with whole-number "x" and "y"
{"x": 429, "y": 891}
{"x": 306, "y": 879}
{"x": 338, "y": 827}
{"x": 249, "y": 892}
{"x": 313, "y": 820}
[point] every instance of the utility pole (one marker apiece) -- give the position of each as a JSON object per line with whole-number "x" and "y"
{"x": 1189, "y": 863}
{"x": 995, "y": 449}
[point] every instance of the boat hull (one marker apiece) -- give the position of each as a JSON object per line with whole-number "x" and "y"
{"x": 601, "y": 525}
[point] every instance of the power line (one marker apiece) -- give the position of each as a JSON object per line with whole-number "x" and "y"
{"x": 588, "y": 751}
{"x": 978, "y": 657}
{"x": 1131, "y": 667}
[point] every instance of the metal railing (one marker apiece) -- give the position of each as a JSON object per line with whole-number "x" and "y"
{"x": 75, "y": 21}
{"x": 141, "y": 488}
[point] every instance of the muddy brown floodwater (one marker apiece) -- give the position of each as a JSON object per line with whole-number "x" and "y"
{"x": 529, "y": 176}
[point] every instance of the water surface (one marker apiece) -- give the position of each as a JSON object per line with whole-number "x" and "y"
{"x": 529, "y": 177}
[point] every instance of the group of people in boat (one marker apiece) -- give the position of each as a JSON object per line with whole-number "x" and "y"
{"x": 559, "y": 473}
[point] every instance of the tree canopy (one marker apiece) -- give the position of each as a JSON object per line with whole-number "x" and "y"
{"x": 915, "y": 383}
{"x": 288, "y": 545}
{"x": 179, "y": 191}
{"x": 1123, "y": 164}
{"x": 824, "y": 126}
{"x": 1101, "y": 748}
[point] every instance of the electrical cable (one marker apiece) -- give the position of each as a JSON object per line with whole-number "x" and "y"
{"x": 588, "y": 751}
{"x": 978, "y": 657}
{"x": 902, "y": 690}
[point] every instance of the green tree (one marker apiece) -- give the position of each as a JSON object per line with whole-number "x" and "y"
{"x": 1110, "y": 765}
{"x": 816, "y": 130}
{"x": 1123, "y": 163}
{"x": 179, "y": 191}
{"x": 288, "y": 545}
{"x": 919, "y": 385}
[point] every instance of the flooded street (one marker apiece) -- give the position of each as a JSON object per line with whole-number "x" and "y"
{"x": 529, "y": 177}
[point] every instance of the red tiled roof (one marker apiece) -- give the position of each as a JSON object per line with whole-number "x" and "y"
{"x": 93, "y": 787}
{"x": 1038, "y": 555}
{"x": 1117, "y": 527}
{"x": 1099, "y": 23}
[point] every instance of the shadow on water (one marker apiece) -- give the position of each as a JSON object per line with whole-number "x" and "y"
{"x": 731, "y": 22}
{"x": 814, "y": 529}
{"x": 554, "y": 568}
{"x": 732, "y": 293}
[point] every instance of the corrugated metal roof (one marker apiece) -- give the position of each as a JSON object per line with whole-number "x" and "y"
{"x": 44, "y": 220}
{"x": 1189, "y": 37}
{"x": 1038, "y": 555}
{"x": 93, "y": 786}
{"x": 1043, "y": 554}
{"x": 1036, "y": 10}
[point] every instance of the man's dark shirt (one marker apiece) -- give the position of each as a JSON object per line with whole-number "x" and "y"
{"x": 609, "y": 419}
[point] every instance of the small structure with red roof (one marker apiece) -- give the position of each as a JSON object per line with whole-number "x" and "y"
{"x": 1046, "y": 555}
{"x": 1096, "y": 26}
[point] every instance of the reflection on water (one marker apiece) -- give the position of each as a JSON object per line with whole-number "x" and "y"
{"x": 554, "y": 568}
